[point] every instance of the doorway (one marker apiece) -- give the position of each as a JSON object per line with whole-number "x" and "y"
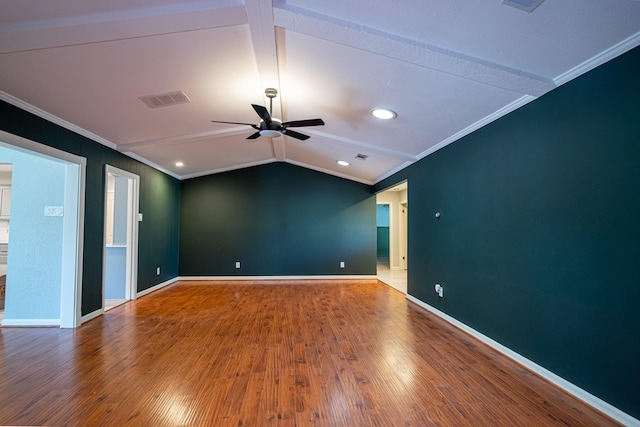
{"x": 43, "y": 289}
{"x": 119, "y": 283}
{"x": 393, "y": 203}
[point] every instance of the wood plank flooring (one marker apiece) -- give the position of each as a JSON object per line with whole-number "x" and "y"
{"x": 313, "y": 353}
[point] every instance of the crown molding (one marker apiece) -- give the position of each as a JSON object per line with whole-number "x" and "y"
{"x": 605, "y": 56}
{"x": 54, "y": 119}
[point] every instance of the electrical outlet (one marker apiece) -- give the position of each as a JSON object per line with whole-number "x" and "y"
{"x": 237, "y": 264}
{"x": 158, "y": 271}
{"x": 341, "y": 264}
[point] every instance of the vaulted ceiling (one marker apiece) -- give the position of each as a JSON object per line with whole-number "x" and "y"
{"x": 445, "y": 67}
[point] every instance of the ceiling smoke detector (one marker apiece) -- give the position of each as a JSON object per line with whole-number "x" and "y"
{"x": 165, "y": 99}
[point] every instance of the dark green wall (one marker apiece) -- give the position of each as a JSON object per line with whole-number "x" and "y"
{"x": 383, "y": 242}
{"x": 276, "y": 219}
{"x": 159, "y": 203}
{"x": 538, "y": 245}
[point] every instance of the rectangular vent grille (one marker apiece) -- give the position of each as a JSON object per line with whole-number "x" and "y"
{"x": 361, "y": 156}
{"x": 165, "y": 99}
{"x": 526, "y": 5}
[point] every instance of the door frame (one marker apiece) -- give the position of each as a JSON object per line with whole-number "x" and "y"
{"x": 403, "y": 234}
{"x": 133, "y": 207}
{"x": 73, "y": 223}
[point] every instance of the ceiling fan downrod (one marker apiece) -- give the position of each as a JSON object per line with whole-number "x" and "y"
{"x": 271, "y": 93}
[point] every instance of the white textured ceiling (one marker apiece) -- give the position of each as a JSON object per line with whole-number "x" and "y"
{"x": 446, "y": 68}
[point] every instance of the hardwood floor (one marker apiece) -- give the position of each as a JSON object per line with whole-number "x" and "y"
{"x": 347, "y": 353}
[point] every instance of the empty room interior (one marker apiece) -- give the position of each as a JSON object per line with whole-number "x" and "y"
{"x": 304, "y": 212}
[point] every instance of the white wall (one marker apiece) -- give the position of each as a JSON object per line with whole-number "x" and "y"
{"x": 35, "y": 247}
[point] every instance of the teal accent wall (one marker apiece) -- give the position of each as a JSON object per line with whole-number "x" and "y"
{"x": 382, "y": 222}
{"x": 382, "y": 215}
{"x": 277, "y": 220}
{"x": 159, "y": 203}
{"x": 538, "y": 246}
{"x": 382, "y": 250}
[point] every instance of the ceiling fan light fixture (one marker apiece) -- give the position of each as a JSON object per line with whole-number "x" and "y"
{"x": 383, "y": 113}
{"x": 343, "y": 163}
{"x": 268, "y": 133}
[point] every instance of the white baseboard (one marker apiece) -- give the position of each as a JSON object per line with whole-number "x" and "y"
{"x": 91, "y": 315}
{"x": 31, "y": 322}
{"x": 156, "y": 287}
{"x": 231, "y": 278}
{"x": 570, "y": 388}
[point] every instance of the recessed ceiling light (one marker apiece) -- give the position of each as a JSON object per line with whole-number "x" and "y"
{"x": 179, "y": 164}
{"x": 343, "y": 163}
{"x": 383, "y": 113}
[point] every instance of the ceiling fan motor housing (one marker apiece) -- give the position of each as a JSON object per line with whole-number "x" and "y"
{"x": 271, "y": 130}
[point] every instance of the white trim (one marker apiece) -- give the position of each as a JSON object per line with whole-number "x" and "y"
{"x": 393, "y": 171}
{"x": 348, "y": 142}
{"x": 151, "y": 164}
{"x": 31, "y": 322}
{"x": 37, "y": 148}
{"x": 227, "y": 169}
{"x": 156, "y": 287}
{"x": 523, "y": 100}
{"x": 194, "y": 7}
{"x": 570, "y": 388}
{"x": 80, "y": 131}
{"x": 601, "y": 58}
{"x": 265, "y": 278}
{"x": 54, "y": 119}
{"x": 92, "y": 315}
{"x": 73, "y": 226}
{"x": 329, "y": 172}
{"x": 133, "y": 209}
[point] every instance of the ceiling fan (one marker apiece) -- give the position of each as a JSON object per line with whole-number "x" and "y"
{"x": 270, "y": 127}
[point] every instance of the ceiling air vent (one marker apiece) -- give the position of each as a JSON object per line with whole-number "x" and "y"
{"x": 526, "y": 5}
{"x": 165, "y": 99}
{"x": 361, "y": 156}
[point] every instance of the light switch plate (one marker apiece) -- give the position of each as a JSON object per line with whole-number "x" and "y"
{"x": 53, "y": 210}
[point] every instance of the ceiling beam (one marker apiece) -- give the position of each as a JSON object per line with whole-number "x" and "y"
{"x": 184, "y": 139}
{"x": 263, "y": 36}
{"x": 410, "y": 51}
{"x": 120, "y": 25}
{"x": 352, "y": 142}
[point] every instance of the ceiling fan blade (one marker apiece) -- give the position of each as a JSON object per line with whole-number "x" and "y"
{"x": 233, "y": 123}
{"x": 301, "y": 123}
{"x": 263, "y": 113}
{"x": 294, "y": 134}
{"x": 254, "y": 136}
